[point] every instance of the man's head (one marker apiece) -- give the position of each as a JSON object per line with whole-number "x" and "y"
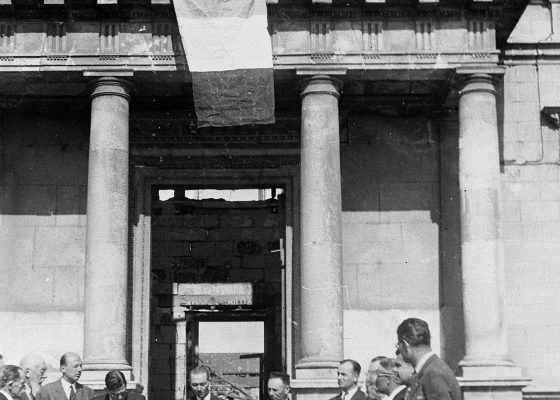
{"x": 413, "y": 339}
{"x": 347, "y": 374}
{"x": 372, "y": 378}
{"x": 405, "y": 370}
{"x": 115, "y": 385}
{"x": 387, "y": 377}
{"x": 371, "y": 390}
{"x": 278, "y": 386}
{"x": 200, "y": 382}
{"x": 71, "y": 367}
{"x": 2, "y": 360}
{"x": 12, "y": 380}
{"x": 35, "y": 368}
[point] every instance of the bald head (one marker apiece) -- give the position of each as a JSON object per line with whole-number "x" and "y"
{"x": 34, "y": 368}
{"x": 71, "y": 367}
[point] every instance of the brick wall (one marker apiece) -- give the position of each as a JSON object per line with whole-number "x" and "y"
{"x": 42, "y": 234}
{"x": 207, "y": 241}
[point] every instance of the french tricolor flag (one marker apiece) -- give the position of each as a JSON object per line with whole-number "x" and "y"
{"x": 229, "y": 55}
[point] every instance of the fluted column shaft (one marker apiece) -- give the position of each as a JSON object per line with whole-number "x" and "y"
{"x": 321, "y": 225}
{"x": 105, "y": 294}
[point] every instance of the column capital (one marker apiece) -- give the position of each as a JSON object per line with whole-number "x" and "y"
{"x": 321, "y": 84}
{"x": 110, "y": 86}
{"x": 477, "y": 83}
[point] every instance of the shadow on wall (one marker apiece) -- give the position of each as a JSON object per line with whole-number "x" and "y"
{"x": 42, "y": 210}
{"x": 401, "y": 232}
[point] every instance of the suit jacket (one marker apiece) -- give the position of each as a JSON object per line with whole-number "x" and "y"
{"x": 55, "y": 391}
{"x": 359, "y": 395}
{"x": 401, "y": 394}
{"x": 212, "y": 397}
{"x": 435, "y": 381}
{"x": 2, "y": 397}
{"x": 130, "y": 395}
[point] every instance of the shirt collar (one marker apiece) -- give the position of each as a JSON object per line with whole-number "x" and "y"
{"x": 423, "y": 360}
{"x": 395, "y": 392}
{"x": 6, "y": 394}
{"x": 66, "y": 385}
{"x": 350, "y": 393}
{"x": 208, "y": 396}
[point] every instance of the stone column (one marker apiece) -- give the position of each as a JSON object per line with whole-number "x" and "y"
{"x": 486, "y": 357}
{"x": 321, "y": 224}
{"x": 105, "y": 297}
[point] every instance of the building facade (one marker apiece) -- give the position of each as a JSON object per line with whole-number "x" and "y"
{"x": 416, "y": 152}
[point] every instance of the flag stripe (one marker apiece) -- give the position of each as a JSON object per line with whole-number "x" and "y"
{"x": 237, "y": 97}
{"x": 202, "y": 9}
{"x": 221, "y": 44}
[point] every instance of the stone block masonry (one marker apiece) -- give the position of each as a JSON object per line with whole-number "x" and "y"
{"x": 203, "y": 241}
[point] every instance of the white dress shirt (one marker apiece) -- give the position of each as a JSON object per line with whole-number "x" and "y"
{"x": 66, "y": 386}
{"x": 348, "y": 395}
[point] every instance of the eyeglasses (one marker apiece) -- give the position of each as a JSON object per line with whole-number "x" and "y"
{"x": 379, "y": 375}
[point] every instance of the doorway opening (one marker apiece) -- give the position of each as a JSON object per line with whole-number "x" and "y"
{"x": 218, "y": 278}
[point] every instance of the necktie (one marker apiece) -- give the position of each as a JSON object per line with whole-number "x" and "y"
{"x": 72, "y": 393}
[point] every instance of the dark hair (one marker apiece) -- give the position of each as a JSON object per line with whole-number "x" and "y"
{"x": 63, "y": 360}
{"x": 280, "y": 375}
{"x": 114, "y": 380}
{"x": 414, "y": 331}
{"x": 374, "y": 359}
{"x": 200, "y": 370}
{"x": 355, "y": 365}
{"x": 9, "y": 373}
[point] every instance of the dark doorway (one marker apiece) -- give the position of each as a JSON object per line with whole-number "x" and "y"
{"x": 208, "y": 239}
{"x": 235, "y": 344}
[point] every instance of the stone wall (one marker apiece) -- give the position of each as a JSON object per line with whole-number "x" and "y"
{"x": 42, "y": 234}
{"x": 390, "y": 202}
{"x": 200, "y": 242}
{"x": 531, "y": 220}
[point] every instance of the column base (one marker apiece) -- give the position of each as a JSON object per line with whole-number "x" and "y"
{"x": 491, "y": 379}
{"x": 315, "y": 380}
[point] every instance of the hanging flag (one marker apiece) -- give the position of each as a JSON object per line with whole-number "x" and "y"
{"x": 229, "y": 55}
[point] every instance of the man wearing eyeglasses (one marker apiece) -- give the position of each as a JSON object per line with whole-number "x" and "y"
{"x": 34, "y": 367}
{"x": 388, "y": 381}
{"x": 12, "y": 382}
{"x": 371, "y": 379}
{"x": 115, "y": 386}
{"x": 434, "y": 380}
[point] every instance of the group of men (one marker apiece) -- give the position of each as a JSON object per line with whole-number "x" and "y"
{"x": 25, "y": 382}
{"x": 416, "y": 373}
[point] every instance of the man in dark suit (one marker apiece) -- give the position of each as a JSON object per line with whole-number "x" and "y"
{"x": 199, "y": 378}
{"x": 347, "y": 378}
{"x": 434, "y": 380}
{"x": 34, "y": 367}
{"x": 12, "y": 382}
{"x": 278, "y": 386}
{"x": 388, "y": 381}
{"x": 115, "y": 385}
{"x": 67, "y": 387}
